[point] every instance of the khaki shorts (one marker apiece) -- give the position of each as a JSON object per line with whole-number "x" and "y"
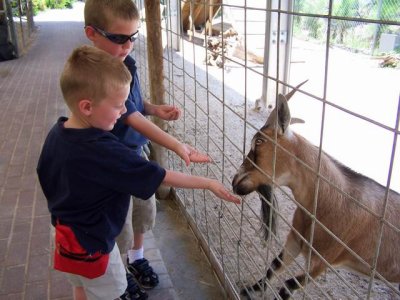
{"x": 111, "y": 285}
{"x": 141, "y": 218}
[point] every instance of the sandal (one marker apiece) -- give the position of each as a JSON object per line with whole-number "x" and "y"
{"x": 143, "y": 273}
{"x": 133, "y": 291}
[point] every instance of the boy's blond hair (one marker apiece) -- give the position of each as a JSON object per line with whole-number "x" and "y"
{"x": 91, "y": 73}
{"x": 101, "y": 13}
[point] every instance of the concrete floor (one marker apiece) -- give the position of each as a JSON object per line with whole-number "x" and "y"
{"x": 191, "y": 274}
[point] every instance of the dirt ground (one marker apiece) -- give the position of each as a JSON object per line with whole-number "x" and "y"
{"x": 219, "y": 119}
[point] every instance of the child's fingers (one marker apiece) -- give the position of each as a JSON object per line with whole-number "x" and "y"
{"x": 230, "y": 197}
{"x": 172, "y": 116}
{"x": 187, "y": 160}
{"x": 220, "y": 191}
{"x": 174, "y": 113}
{"x": 178, "y": 113}
{"x": 198, "y": 157}
{"x": 185, "y": 156}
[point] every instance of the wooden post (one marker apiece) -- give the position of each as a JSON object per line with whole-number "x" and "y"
{"x": 156, "y": 76}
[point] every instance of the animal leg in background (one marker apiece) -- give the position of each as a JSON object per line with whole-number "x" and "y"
{"x": 316, "y": 268}
{"x": 288, "y": 254}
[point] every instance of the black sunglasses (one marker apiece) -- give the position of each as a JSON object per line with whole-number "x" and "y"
{"x": 117, "y": 38}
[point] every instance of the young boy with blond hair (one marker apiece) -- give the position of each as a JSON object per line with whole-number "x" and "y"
{"x": 88, "y": 175}
{"x": 113, "y": 27}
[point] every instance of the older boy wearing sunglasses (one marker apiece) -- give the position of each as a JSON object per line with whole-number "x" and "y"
{"x": 113, "y": 27}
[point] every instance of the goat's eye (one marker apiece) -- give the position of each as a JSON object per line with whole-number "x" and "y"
{"x": 259, "y": 141}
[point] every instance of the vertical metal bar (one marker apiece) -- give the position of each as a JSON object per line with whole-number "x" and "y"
{"x": 288, "y": 48}
{"x": 207, "y": 247}
{"x": 244, "y": 153}
{"x": 175, "y": 19}
{"x": 225, "y": 279}
{"x": 318, "y": 180}
{"x": 267, "y": 52}
{"x": 385, "y": 203}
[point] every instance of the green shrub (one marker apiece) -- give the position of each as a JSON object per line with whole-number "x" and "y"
{"x": 38, "y": 5}
{"x": 59, "y": 3}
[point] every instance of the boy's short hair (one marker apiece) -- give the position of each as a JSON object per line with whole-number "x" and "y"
{"x": 101, "y": 13}
{"x": 91, "y": 73}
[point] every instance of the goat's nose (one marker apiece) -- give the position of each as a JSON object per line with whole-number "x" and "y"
{"x": 234, "y": 180}
{"x": 242, "y": 184}
{"x": 236, "y": 183}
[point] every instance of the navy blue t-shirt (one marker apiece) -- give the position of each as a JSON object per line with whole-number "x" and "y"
{"x": 87, "y": 176}
{"x": 134, "y": 103}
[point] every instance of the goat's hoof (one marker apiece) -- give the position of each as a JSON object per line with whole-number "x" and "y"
{"x": 245, "y": 292}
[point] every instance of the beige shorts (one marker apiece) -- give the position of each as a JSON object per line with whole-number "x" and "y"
{"x": 141, "y": 218}
{"x": 111, "y": 285}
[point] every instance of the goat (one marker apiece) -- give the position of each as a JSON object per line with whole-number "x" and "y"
{"x": 343, "y": 203}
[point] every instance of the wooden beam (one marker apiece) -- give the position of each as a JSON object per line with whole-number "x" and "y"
{"x": 155, "y": 51}
{"x": 156, "y": 76}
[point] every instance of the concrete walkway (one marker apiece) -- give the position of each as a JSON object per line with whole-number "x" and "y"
{"x": 30, "y": 103}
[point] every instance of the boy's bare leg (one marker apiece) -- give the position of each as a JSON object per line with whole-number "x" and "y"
{"x": 79, "y": 293}
{"x": 138, "y": 239}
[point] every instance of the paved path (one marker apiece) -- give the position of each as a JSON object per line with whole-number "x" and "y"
{"x": 30, "y": 103}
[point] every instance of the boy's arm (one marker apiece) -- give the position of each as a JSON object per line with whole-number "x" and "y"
{"x": 155, "y": 134}
{"x": 165, "y": 112}
{"x": 182, "y": 180}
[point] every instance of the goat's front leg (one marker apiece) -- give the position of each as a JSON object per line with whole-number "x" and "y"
{"x": 288, "y": 254}
{"x": 316, "y": 268}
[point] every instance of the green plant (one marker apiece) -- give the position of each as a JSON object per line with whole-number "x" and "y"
{"x": 59, "y": 3}
{"x": 38, "y": 5}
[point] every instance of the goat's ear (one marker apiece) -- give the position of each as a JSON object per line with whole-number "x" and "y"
{"x": 283, "y": 121}
{"x": 296, "y": 121}
{"x": 283, "y": 113}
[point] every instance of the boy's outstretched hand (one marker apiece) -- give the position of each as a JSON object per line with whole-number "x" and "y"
{"x": 167, "y": 112}
{"x": 221, "y": 192}
{"x": 190, "y": 154}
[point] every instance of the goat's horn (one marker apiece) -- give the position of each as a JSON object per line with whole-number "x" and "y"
{"x": 289, "y": 95}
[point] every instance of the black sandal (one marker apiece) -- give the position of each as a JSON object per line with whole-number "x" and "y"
{"x": 133, "y": 291}
{"x": 143, "y": 273}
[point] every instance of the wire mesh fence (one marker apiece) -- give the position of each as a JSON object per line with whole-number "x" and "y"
{"x": 351, "y": 107}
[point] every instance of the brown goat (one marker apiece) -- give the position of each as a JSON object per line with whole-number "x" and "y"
{"x": 344, "y": 203}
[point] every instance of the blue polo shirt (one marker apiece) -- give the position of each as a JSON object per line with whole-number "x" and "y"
{"x": 87, "y": 176}
{"x": 134, "y": 103}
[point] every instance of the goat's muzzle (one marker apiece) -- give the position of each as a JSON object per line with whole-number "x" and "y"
{"x": 242, "y": 184}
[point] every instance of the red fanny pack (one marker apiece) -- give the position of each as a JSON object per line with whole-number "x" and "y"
{"x": 70, "y": 257}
